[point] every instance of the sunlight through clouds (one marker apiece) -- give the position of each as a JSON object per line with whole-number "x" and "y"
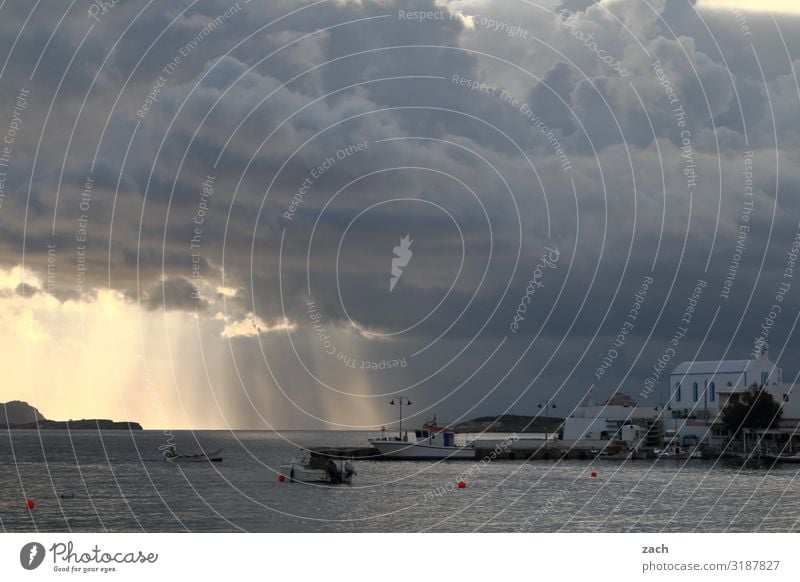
{"x": 252, "y": 325}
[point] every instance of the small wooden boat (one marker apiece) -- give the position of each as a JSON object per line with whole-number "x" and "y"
{"x": 172, "y": 455}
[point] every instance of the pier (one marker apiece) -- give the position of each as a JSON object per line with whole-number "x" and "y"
{"x": 540, "y": 450}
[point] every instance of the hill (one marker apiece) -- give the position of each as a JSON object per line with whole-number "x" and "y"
{"x": 510, "y": 423}
{"x": 18, "y": 412}
{"x": 21, "y": 415}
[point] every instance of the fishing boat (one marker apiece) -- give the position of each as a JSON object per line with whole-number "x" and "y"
{"x": 302, "y": 468}
{"x": 171, "y": 454}
{"x": 430, "y": 442}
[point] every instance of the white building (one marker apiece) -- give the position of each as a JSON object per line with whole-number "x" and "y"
{"x": 612, "y": 423}
{"x": 700, "y": 390}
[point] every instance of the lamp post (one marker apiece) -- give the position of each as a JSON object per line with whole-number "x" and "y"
{"x": 675, "y": 431}
{"x": 705, "y": 411}
{"x": 546, "y": 404}
{"x": 399, "y": 400}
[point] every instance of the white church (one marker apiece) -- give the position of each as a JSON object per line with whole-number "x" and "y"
{"x": 698, "y": 391}
{"x": 702, "y": 389}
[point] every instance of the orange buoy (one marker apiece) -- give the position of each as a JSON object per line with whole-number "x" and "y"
{"x": 594, "y": 474}
{"x": 281, "y": 477}
{"x": 31, "y": 504}
{"x": 462, "y": 485}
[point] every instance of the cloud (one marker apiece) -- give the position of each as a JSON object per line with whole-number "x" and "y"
{"x": 252, "y": 326}
{"x": 347, "y": 119}
{"x": 26, "y": 290}
{"x": 176, "y": 293}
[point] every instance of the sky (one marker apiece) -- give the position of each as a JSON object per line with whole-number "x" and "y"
{"x": 285, "y": 214}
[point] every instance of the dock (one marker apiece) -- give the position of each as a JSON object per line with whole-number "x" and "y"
{"x": 532, "y": 450}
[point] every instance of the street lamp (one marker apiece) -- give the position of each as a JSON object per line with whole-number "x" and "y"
{"x": 399, "y": 400}
{"x": 674, "y": 438}
{"x": 546, "y": 405}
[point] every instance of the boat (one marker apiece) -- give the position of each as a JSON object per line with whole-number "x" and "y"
{"x": 780, "y": 458}
{"x": 672, "y": 452}
{"x": 304, "y": 469}
{"x": 430, "y": 442}
{"x": 679, "y": 453}
{"x": 171, "y": 454}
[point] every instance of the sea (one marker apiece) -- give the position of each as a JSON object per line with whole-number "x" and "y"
{"x": 116, "y": 481}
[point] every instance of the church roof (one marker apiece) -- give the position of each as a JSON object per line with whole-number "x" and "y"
{"x": 712, "y": 367}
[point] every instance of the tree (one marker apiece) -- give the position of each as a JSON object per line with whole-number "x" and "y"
{"x": 756, "y": 409}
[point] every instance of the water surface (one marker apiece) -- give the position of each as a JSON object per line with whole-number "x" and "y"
{"x": 116, "y": 481}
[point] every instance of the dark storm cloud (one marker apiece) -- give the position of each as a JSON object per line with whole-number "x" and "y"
{"x": 475, "y": 154}
{"x": 175, "y": 293}
{"x": 26, "y": 290}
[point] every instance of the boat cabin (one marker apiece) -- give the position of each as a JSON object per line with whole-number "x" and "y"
{"x": 448, "y": 438}
{"x": 430, "y": 434}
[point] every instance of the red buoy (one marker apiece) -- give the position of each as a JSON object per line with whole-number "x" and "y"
{"x": 594, "y": 474}
{"x": 462, "y": 485}
{"x": 31, "y": 504}
{"x": 281, "y": 477}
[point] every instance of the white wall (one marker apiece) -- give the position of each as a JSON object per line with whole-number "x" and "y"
{"x": 740, "y": 381}
{"x": 584, "y": 428}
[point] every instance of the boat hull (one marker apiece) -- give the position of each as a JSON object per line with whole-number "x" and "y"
{"x": 300, "y": 473}
{"x": 297, "y": 472}
{"x": 402, "y": 450}
{"x": 213, "y": 457}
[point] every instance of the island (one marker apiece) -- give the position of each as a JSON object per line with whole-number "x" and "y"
{"x": 19, "y": 415}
